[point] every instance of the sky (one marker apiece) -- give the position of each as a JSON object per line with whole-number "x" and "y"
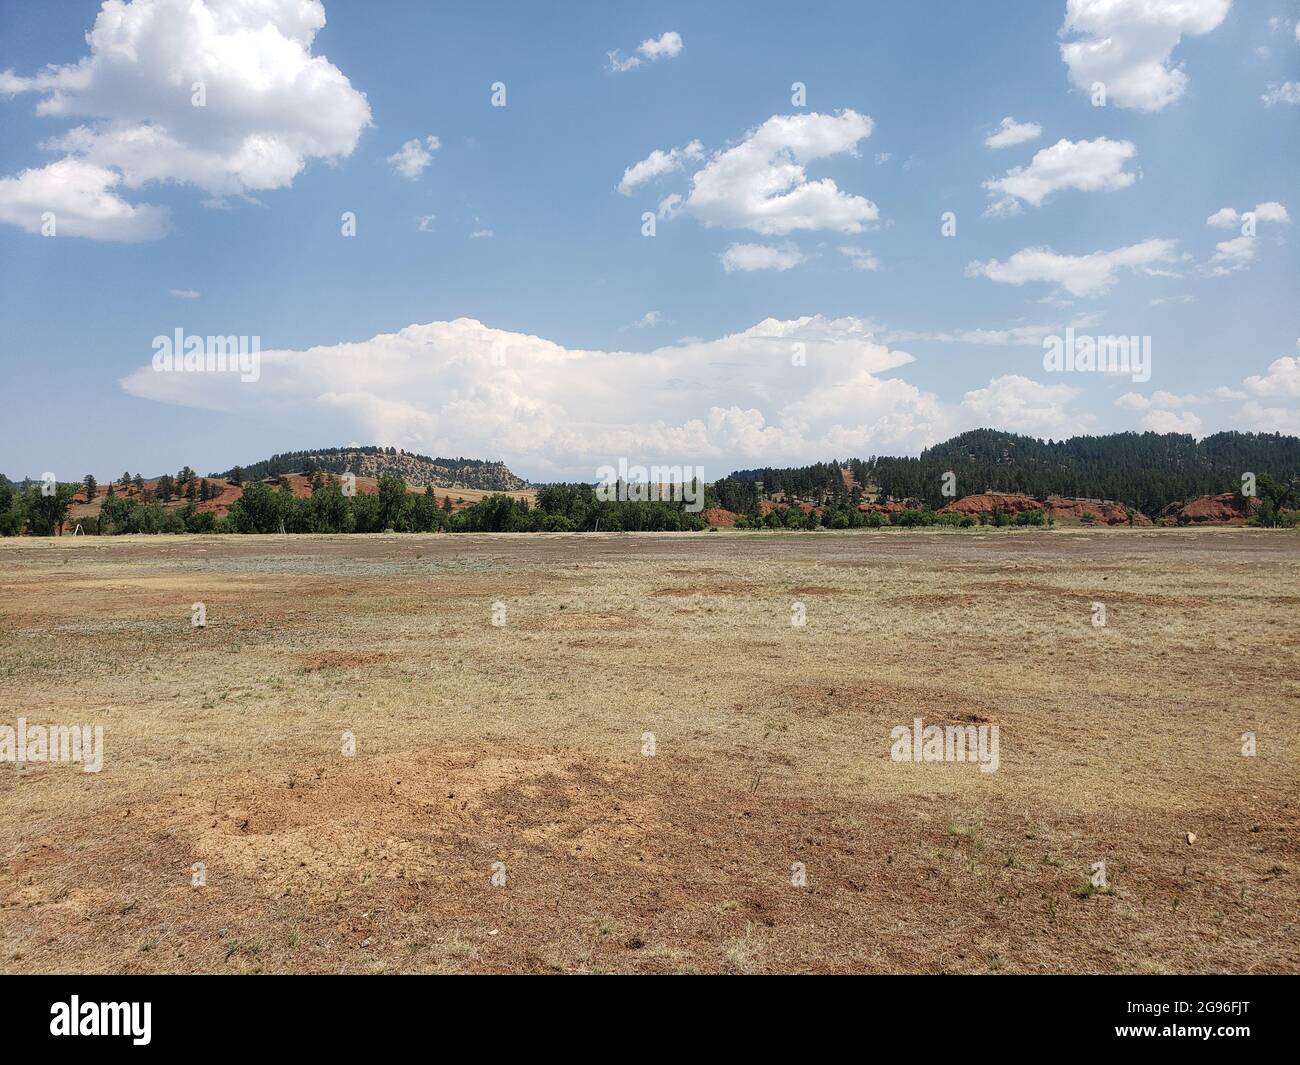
{"x": 725, "y": 235}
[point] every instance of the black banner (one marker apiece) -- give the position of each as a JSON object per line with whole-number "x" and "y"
{"x": 335, "y": 1013}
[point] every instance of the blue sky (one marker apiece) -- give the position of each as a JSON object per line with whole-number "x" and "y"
{"x": 595, "y": 341}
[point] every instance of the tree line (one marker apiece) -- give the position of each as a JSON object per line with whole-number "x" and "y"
{"x": 268, "y": 508}
{"x": 1146, "y": 471}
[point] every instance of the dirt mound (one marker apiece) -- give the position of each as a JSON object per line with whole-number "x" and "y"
{"x": 720, "y": 517}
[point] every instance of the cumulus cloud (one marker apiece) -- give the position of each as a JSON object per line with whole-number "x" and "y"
{"x": 1234, "y": 255}
{"x": 1271, "y": 400}
{"x": 1159, "y": 400}
{"x": 658, "y": 163}
{"x": 1090, "y": 166}
{"x": 1010, "y": 133}
{"x": 1168, "y": 421}
{"x": 1282, "y": 92}
{"x": 1079, "y": 275}
{"x": 747, "y": 257}
{"x": 1255, "y": 416}
{"x": 1127, "y": 45}
{"x": 665, "y": 46}
{"x": 461, "y": 387}
{"x": 268, "y": 107}
{"x": 79, "y": 200}
{"x": 1227, "y": 217}
{"x": 414, "y": 157}
{"x": 1280, "y": 381}
{"x": 760, "y": 184}
{"x": 1021, "y": 405}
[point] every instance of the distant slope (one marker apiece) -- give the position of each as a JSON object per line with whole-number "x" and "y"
{"x": 375, "y": 462}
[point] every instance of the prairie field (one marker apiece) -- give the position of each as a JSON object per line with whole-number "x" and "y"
{"x": 622, "y": 753}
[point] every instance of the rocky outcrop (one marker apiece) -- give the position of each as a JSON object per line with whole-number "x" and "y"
{"x": 1061, "y": 509}
{"x": 889, "y": 507}
{"x": 1102, "y": 511}
{"x": 1223, "y": 509}
{"x": 987, "y": 502}
{"x": 419, "y": 470}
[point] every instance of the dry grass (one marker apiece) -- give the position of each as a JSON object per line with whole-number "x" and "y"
{"x": 521, "y": 745}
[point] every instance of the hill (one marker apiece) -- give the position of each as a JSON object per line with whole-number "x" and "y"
{"x": 375, "y": 462}
{"x": 1147, "y": 471}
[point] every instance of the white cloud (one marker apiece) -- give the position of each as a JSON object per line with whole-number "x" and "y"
{"x": 1090, "y": 166}
{"x": 1010, "y": 133}
{"x": 1227, "y": 217}
{"x": 184, "y": 293}
{"x": 461, "y": 387}
{"x": 1012, "y": 336}
{"x": 1282, "y": 92}
{"x": 1280, "y": 381}
{"x": 270, "y": 106}
{"x": 1127, "y": 46}
{"x": 1079, "y": 275}
{"x": 1235, "y": 255}
{"x": 413, "y": 157}
{"x": 669, "y": 205}
{"x": 1272, "y": 212}
{"x": 760, "y": 184}
{"x": 658, "y": 163}
{"x": 747, "y": 257}
{"x": 860, "y": 258}
{"x": 1271, "y": 401}
{"x": 1167, "y": 421}
{"x": 1158, "y": 400}
{"x": 1254, "y": 416}
{"x": 1018, "y": 404}
{"x": 648, "y": 320}
{"x": 551, "y": 412}
{"x": 424, "y": 222}
{"x": 481, "y": 234}
{"x": 81, "y": 201}
{"x": 666, "y": 46}
{"x": 1231, "y": 256}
